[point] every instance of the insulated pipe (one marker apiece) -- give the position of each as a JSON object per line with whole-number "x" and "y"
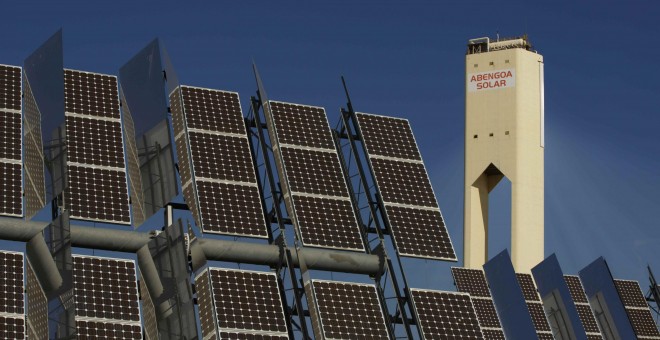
{"x": 213, "y": 249}
{"x": 44, "y": 266}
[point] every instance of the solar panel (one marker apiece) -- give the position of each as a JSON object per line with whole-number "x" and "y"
{"x": 344, "y": 310}
{"x": 445, "y": 315}
{"x": 106, "y": 297}
{"x": 35, "y": 185}
{"x": 473, "y": 282}
{"x": 12, "y": 319}
{"x": 317, "y": 197}
{"x": 388, "y": 137}
{"x": 534, "y": 304}
{"x": 240, "y": 301}
{"x": 98, "y": 190}
{"x": 217, "y": 173}
{"x": 405, "y": 188}
{"x": 11, "y": 169}
{"x": 637, "y": 309}
{"x": 585, "y": 313}
{"x": 133, "y": 161}
{"x": 148, "y": 312}
{"x": 37, "y": 306}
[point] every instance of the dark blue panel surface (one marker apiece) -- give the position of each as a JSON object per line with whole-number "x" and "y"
{"x": 508, "y": 297}
{"x": 597, "y": 280}
{"x": 143, "y": 85}
{"x": 44, "y": 69}
{"x": 550, "y": 278}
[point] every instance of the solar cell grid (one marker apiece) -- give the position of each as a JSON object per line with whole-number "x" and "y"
{"x": 98, "y": 194}
{"x": 575, "y": 288}
{"x": 105, "y": 288}
{"x": 486, "y": 313}
{"x": 10, "y": 135}
{"x": 250, "y": 336}
{"x": 231, "y": 209}
{"x": 301, "y": 125}
{"x": 12, "y": 328}
{"x": 388, "y": 136}
{"x": 545, "y": 336}
{"x": 221, "y": 157}
{"x": 325, "y": 222}
{"x": 538, "y": 316}
{"x": 630, "y": 293}
{"x": 247, "y": 300}
{"x": 594, "y": 337}
{"x": 212, "y": 110}
{"x": 348, "y": 310}
{"x": 472, "y": 281}
{"x": 314, "y": 172}
{"x": 403, "y": 182}
{"x": 205, "y": 302}
{"x": 94, "y": 141}
{"x": 11, "y": 281}
{"x": 10, "y": 87}
{"x": 528, "y": 287}
{"x": 587, "y": 318}
{"x": 11, "y": 202}
{"x": 86, "y": 329}
{"x": 91, "y": 94}
{"x": 643, "y": 323}
{"x": 445, "y": 315}
{"x": 37, "y": 307}
{"x": 493, "y": 334}
{"x": 420, "y": 232}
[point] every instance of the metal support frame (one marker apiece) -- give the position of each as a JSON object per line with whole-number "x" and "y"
{"x": 654, "y": 293}
{"x": 378, "y": 222}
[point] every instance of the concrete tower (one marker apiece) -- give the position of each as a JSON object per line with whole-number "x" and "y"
{"x": 504, "y": 137}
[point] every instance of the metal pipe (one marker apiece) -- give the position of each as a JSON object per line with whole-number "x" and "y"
{"x": 213, "y": 249}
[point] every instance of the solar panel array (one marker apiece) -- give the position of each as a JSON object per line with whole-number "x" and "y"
{"x": 12, "y": 311}
{"x": 37, "y": 306}
{"x": 585, "y": 313}
{"x": 637, "y": 309}
{"x": 95, "y": 149}
{"x": 345, "y": 310}
{"x": 534, "y": 305}
{"x": 240, "y": 304}
{"x": 445, "y": 315}
{"x": 11, "y": 160}
{"x": 473, "y": 282}
{"x": 35, "y": 185}
{"x": 410, "y": 205}
{"x": 217, "y": 173}
{"x": 316, "y": 195}
{"x": 106, "y": 297}
{"x": 133, "y": 161}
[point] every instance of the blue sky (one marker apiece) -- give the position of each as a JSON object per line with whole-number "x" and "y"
{"x": 407, "y": 59}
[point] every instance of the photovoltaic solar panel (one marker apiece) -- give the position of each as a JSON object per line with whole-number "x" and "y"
{"x": 637, "y": 309}
{"x": 445, "y": 315}
{"x": 240, "y": 302}
{"x": 473, "y": 282}
{"x": 148, "y": 313}
{"x": 534, "y": 304}
{"x": 37, "y": 307}
{"x": 11, "y": 165}
{"x": 251, "y": 336}
{"x": 585, "y": 313}
{"x": 403, "y": 183}
{"x": 12, "y": 311}
{"x": 133, "y": 161}
{"x": 98, "y": 189}
{"x": 106, "y": 298}
{"x": 314, "y": 186}
{"x": 344, "y": 310}
{"x": 215, "y": 162}
{"x": 35, "y": 185}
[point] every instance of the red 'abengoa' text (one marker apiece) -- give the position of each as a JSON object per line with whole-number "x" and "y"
{"x": 489, "y": 76}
